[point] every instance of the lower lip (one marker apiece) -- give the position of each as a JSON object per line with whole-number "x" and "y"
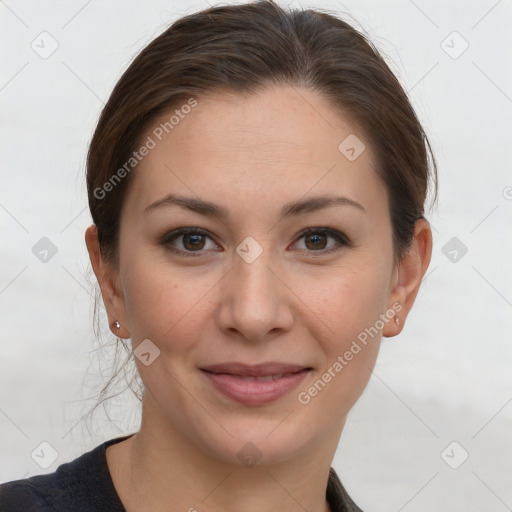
{"x": 254, "y": 392}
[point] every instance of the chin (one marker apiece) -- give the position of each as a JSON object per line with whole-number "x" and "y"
{"x": 258, "y": 441}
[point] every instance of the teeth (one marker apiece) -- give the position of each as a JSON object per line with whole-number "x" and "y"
{"x": 263, "y": 378}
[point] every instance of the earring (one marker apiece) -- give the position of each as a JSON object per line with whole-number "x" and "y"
{"x": 397, "y": 321}
{"x": 117, "y": 325}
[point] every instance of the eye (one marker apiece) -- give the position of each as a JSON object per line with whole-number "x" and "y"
{"x": 188, "y": 240}
{"x": 317, "y": 240}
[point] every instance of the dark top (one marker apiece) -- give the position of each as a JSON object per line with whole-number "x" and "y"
{"x": 85, "y": 485}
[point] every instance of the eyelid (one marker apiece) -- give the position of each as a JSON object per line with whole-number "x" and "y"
{"x": 176, "y": 233}
{"x": 335, "y": 233}
{"x": 342, "y": 239}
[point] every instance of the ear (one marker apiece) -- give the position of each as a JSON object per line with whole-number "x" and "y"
{"x": 408, "y": 276}
{"x": 108, "y": 279}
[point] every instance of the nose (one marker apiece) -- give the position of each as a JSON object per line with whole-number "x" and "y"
{"x": 255, "y": 302}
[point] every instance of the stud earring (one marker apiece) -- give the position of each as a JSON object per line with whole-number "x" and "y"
{"x": 397, "y": 321}
{"x": 117, "y": 325}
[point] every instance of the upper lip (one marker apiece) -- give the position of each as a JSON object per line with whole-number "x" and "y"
{"x": 257, "y": 370}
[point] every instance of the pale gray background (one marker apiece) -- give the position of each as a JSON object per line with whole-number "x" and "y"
{"x": 445, "y": 378}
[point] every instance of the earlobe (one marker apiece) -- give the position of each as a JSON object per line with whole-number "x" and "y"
{"x": 106, "y": 279}
{"x": 409, "y": 275}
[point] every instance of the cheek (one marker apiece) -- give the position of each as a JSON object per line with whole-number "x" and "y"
{"x": 348, "y": 305}
{"x": 348, "y": 297}
{"x": 165, "y": 304}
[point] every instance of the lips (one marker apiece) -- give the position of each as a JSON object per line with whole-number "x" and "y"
{"x": 255, "y": 371}
{"x": 255, "y": 384}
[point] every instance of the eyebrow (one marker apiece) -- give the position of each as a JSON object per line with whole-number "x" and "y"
{"x": 209, "y": 209}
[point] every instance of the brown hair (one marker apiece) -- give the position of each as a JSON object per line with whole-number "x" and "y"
{"x": 244, "y": 48}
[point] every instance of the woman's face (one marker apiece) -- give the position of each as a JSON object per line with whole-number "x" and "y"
{"x": 248, "y": 289}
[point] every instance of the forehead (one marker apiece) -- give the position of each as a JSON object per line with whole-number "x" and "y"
{"x": 283, "y": 142}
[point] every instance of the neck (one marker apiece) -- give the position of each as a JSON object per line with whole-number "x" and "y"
{"x": 161, "y": 470}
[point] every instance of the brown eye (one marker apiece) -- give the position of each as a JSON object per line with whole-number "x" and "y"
{"x": 318, "y": 240}
{"x": 193, "y": 241}
{"x": 186, "y": 241}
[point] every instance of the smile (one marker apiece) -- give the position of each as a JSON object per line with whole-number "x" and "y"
{"x": 255, "y": 385}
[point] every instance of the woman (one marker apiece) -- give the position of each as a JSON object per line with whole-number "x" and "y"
{"x": 257, "y": 183}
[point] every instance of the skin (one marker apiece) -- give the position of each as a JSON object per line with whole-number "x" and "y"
{"x": 293, "y": 304}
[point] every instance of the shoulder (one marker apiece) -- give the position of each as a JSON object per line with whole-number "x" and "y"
{"x": 337, "y": 496}
{"x": 36, "y": 494}
{"x": 82, "y": 485}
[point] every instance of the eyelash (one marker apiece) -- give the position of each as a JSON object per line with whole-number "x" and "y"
{"x": 341, "y": 239}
